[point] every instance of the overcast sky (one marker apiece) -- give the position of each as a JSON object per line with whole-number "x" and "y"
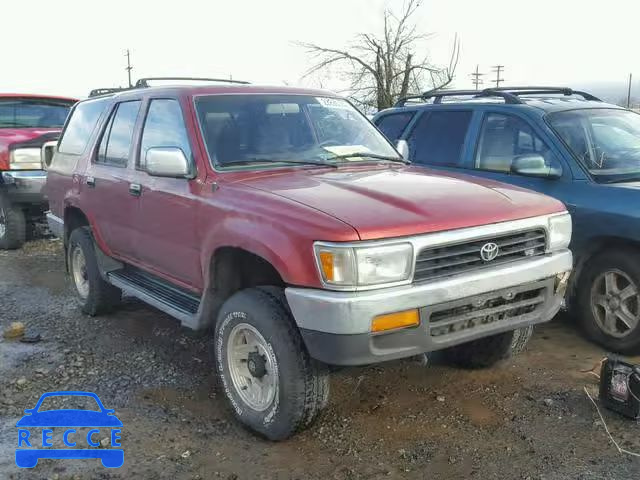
{"x": 69, "y": 47}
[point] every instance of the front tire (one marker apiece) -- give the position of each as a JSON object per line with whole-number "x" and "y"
{"x": 609, "y": 300}
{"x": 94, "y": 295}
{"x": 272, "y": 384}
{"x": 13, "y": 227}
{"x": 488, "y": 351}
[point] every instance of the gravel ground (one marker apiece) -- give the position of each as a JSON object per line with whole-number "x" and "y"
{"x": 527, "y": 418}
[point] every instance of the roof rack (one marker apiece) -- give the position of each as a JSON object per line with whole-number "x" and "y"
{"x": 542, "y": 90}
{"x": 96, "y": 92}
{"x": 509, "y": 94}
{"x": 144, "y": 82}
{"x": 438, "y": 95}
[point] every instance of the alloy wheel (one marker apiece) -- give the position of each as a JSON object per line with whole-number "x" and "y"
{"x": 615, "y": 303}
{"x": 252, "y": 366}
{"x": 79, "y": 272}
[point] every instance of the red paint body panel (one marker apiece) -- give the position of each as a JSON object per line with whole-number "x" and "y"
{"x": 394, "y": 201}
{"x": 176, "y": 226}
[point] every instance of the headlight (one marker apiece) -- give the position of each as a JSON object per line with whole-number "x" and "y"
{"x": 353, "y": 266}
{"x": 559, "y": 232}
{"x": 25, "y": 159}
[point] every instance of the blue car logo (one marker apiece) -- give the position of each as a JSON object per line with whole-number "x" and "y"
{"x": 70, "y": 419}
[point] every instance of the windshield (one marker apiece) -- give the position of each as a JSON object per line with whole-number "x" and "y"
{"x": 286, "y": 129}
{"x": 606, "y": 141}
{"x": 33, "y": 113}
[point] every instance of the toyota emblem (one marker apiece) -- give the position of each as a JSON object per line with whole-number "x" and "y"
{"x": 489, "y": 251}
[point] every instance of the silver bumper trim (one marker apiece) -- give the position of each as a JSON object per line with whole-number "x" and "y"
{"x": 349, "y": 313}
{"x": 25, "y": 182}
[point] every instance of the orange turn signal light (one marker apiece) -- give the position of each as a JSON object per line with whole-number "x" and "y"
{"x": 392, "y": 321}
{"x": 326, "y": 263}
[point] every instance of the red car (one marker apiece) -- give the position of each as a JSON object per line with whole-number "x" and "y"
{"x": 284, "y": 220}
{"x": 29, "y": 128}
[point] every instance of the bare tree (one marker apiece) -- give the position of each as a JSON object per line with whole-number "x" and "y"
{"x": 381, "y": 68}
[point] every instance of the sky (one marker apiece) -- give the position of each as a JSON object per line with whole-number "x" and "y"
{"x": 68, "y": 47}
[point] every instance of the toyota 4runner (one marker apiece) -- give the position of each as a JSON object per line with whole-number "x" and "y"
{"x": 29, "y": 128}
{"x": 282, "y": 219}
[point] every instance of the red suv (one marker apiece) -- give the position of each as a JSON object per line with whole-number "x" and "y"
{"x": 284, "y": 220}
{"x": 29, "y": 128}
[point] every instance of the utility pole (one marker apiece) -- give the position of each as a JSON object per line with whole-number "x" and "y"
{"x": 477, "y": 81}
{"x": 129, "y": 67}
{"x": 497, "y": 69}
{"x": 629, "y": 92}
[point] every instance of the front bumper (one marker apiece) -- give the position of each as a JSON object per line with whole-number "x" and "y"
{"x": 24, "y": 186}
{"x": 336, "y": 325}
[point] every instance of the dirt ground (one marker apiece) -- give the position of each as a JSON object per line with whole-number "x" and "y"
{"x": 527, "y": 418}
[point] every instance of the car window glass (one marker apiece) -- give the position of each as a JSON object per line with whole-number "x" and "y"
{"x": 393, "y": 125}
{"x": 81, "y": 124}
{"x": 438, "y": 138}
{"x": 274, "y": 129}
{"x": 164, "y": 127}
{"x": 505, "y": 137}
{"x": 116, "y": 140}
{"x": 67, "y": 402}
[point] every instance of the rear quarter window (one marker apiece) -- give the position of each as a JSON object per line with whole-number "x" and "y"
{"x": 394, "y": 124}
{"x": 82, "y": 123}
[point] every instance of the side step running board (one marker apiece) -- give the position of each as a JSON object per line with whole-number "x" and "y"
{"x": 175, "y": 301}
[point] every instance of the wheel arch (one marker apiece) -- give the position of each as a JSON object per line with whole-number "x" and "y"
{"x": 596, "y": 246}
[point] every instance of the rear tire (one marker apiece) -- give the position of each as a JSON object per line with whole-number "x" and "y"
{"x": 601, "y": 297}
{"x": 94, "y": 295}
{"x": 488, "y": 351}
{"x": 13, "y": 228}
{"x": 272, "y": 384}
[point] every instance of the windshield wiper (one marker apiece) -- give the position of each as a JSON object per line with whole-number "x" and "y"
{"x": 251, "y": 161}
{"x": 629, "y": 178}
{"x": 370, "y": 155}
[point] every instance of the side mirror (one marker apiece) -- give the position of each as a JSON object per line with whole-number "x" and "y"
{"x": 167, "y": 162}
{"x": 534, "y": 165}
{"x": 403, "y": 149}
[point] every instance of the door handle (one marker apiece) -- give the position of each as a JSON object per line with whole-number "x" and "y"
{"x": 91, "y": 182}
{"x": 135, "y": 189}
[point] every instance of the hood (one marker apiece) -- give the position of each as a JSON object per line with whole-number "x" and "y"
{"x": 10, "y": 136}
{"x": 393, "y": 201}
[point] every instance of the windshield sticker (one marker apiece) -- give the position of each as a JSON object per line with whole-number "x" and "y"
{"x": 347, "y": 149}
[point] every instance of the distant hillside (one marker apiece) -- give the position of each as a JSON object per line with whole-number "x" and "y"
{"x": 613, "y": 92}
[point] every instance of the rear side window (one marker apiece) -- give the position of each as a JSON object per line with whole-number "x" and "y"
{"x": 438, "y": 138}
{"x": 164, "y": 127}
{"x": 84, "y": 118}
{"x": 116, "y": 139}
{"x": 393, "y": 125}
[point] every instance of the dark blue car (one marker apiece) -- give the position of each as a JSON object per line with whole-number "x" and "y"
{"x": 70, "y": 419}
{"x": 567, "y": 144}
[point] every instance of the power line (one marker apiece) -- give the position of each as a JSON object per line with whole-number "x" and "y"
{"x": 129, "y": 67}
{"x": 476, "y": 80}
{"x": 497, "y": 69}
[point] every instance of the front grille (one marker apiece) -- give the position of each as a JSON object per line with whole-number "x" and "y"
{"x": 434, "y": 262}
{"x": 490, "y": 309}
